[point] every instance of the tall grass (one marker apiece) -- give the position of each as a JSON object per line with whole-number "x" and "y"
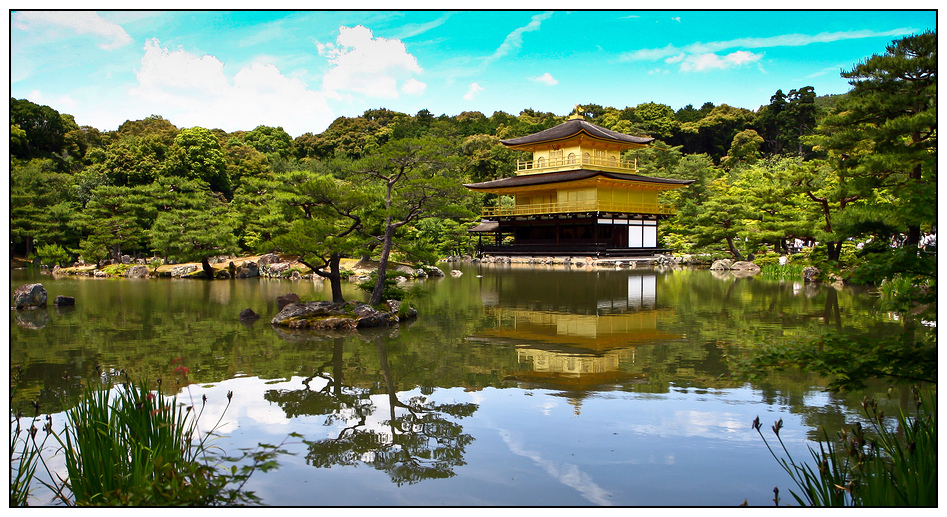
{"x": 24, "y": 453}
{"x": 877, "y": 466}
{"x": 128, "y": 445}
{"x": 132, "y": 450}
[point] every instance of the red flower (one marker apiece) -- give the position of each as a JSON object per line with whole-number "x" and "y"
{"x": 183, "y": 369}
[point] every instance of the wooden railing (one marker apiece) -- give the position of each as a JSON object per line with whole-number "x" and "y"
{"x": 576, "y": 161}
{"x": 578, "y": 206}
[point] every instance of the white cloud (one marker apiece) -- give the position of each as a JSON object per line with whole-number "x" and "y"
{"x": 472, "y": 91}
{"x": 514, "y": 40}
{"x": 367, "y": 65}
{"x": 413, "y": 29}
{"x": 413, "y": 87}
{"x": 546, "y": 78}
{"x": 62, "y": 103}
{"x": 194, "y": 90}
{"x": 783, "y": 40}
{"x": 81, "y": 22}
{"x": 710, "y": 61}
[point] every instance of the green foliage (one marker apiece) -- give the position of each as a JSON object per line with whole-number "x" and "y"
{"x": 115, "y": 217}
{"x": 126, "y": 445}
{"x": 51, "y": 254}
{"x": 784, "y": 273}
{"x": 195, "y": 232}
{"x": 116, "y": 269}
{"x": 849, "y": 360}
{"x": 414, "y": 178}
{"x": 745, "y": 148}
{"x": 24, "y": 450}
{"x": 270, "y": 141}
{"x": 884, "y": 132}
{"x": 391, "y": 291}
{"x": 197, "y": 155}
{"x": 872, "y": 467}
{"x": 44, "y": 129}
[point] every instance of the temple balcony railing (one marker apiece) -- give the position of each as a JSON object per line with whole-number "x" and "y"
{"x": 575, "y": 162}
{"x": 577, "y": 207}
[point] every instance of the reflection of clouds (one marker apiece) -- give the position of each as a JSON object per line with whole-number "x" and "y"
{"x": 548, "y": 405}
{"x": 248, "y": 406}
{"x": 566, "y": 473}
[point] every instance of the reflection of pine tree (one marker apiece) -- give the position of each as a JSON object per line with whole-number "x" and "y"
{"x": 420, "y": 441}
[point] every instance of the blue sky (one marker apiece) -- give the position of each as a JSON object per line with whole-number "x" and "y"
{"x": 235, "y": 70}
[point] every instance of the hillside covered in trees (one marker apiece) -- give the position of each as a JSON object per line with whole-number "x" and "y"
{"x": 831, "y": 169}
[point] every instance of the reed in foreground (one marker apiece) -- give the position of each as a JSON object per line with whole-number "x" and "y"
{"x": 127, "y": 445}
{"x": 878, "y": 466}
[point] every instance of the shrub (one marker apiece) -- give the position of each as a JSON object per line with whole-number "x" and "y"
{"x": 51, "y": 254}
{"x": 392, "y": 291}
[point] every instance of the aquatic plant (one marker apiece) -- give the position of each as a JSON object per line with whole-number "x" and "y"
{"x": 24, "y": 450}
{"x": 129, "y": 445}
{"x": 878, "y": 466}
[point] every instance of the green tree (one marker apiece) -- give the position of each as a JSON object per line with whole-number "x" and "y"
{"x": 253, "y": 208}
{"x": 270, "y": 141}
{"x": 774, "y": 208}
{"x": 131, "y": 160}
{"x": 721, "y": 218}
{"x": 155, "y": 126}
{"x": 691, "y": 114}
{"x": 656, "y": 119}
{"x": 198, "y": 226}
{"x": 713, "y": 134}
{"x": 415, "y": 178}
{"x": 115, "y": 217}
{"x": 243, "y": 161}
{"x": 42, "y": 206}
{"x": 51, "y": 254}
{"x": 45, "y": 129}
{"x": 196, "y": 154}
{"x": 326, "y": 217}
{"x": 745, "y": 149}
{"x": 486, "y": 158}
{"x": 787, "y": 119}
{"x": 885, "y": 129}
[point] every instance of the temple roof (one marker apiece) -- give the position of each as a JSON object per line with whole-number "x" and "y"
{"x": 564, "y": 176}
{"x": 573, "y": 127}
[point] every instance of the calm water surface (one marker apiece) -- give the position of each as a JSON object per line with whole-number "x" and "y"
{"x": 517, "y": 385}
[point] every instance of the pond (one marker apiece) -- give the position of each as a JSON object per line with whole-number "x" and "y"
{"x": 517, "y": 385}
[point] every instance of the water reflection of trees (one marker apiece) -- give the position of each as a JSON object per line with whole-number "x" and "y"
{"x": 419, "y": 440}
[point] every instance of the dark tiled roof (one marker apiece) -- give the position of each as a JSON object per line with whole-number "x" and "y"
{"x": 485, "y": 226}
{"x": 557, "y": 177}
{"x": 573, "y": 127}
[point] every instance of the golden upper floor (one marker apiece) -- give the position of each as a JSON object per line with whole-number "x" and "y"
{"x": 576, "y": 144}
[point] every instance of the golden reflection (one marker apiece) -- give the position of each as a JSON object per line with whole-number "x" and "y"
{"x": 586, "y": 340}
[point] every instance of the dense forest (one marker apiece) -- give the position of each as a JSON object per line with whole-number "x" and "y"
{"x": 833, "y": 170}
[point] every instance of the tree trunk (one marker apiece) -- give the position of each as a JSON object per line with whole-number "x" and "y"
{"x": 334, "y": 276}
{"x": 208, "y": 270}
{"x": 733, "y": 250}
{"x": 379, "y": 289}
{"x": 335, "y": 279}
{"x": 834, "y": 250}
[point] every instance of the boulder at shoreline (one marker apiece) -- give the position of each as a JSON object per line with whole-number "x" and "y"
{"x": 30, "y": 296}
{"x": 326, "y": 315}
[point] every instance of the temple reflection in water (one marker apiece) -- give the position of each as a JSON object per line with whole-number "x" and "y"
{"x": 575, "y": 336}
